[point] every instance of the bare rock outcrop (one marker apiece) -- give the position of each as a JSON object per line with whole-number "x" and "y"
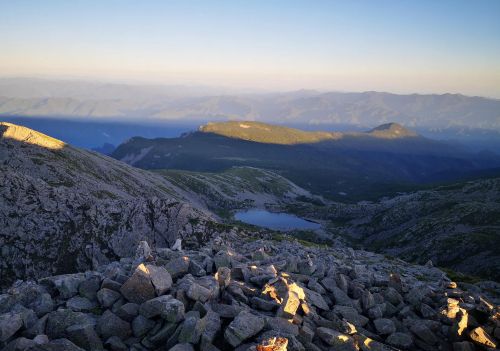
{"x": 64, "y": 209}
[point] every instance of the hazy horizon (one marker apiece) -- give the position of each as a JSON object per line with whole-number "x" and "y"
{"x": 423, "y": 47}
{"x": 214, "y": 90}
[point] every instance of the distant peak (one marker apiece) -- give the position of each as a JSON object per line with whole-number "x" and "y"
{"x": 392, "y": 131}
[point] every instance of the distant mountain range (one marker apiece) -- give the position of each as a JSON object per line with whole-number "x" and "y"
{"x": 356, "y": 165}
{"x": 28, "y": 97}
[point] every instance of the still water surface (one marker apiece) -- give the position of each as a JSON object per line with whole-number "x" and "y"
{"x": 276, "y": 221}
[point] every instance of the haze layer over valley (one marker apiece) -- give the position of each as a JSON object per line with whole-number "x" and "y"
{"x": 473, "y": 121}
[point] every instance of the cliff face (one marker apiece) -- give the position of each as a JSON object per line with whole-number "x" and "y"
{"x": 63, "y": 209}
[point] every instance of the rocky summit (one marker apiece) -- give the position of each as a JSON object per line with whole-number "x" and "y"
{"x": 242, "y": 291}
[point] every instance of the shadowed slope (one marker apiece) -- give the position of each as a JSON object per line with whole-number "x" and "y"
{"x": 360, "y": 165}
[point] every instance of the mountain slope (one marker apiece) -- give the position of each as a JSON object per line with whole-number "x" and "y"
{"x": 238, "y": 187}
{"x": 63, "y": 208}
{"x": 266, "y": 133}
{"x": 392, "y": 131}
{"x": 357, "y": 164}
{"x": 456, "y": 226}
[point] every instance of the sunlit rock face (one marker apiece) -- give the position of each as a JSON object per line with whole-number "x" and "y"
{"x": 29, "y": 136}
{"x": 63, "y": 208}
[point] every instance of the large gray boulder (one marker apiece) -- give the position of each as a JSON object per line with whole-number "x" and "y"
{"x": 58, "y": 321}
{"x": 89, "y": 287}
{"x": 384, "y": 326}
{"x": 20, "y": 344}
{"x": 84, "y": 336}
{"x": 138, "y": 288}
{"x": 210, "y": 325}
{"x": 107, "y": 297}
{"x": 198, "y": 293}
{"x": 177, "y": 267}
{"x": 109, "y": 324}
{"x": 80, "y": 304}
{"x": 10, "y": 323}
{"x": 341, "y": 298}
{"x": 165, "y": 306}
{"x": 66, "y": 284}
{"x": 42, "y": 304}
{"x": 351, "y": 315}
{"x": 400, "y": 340}
{"x": 244, "y": 326}
{"x": 57, "y": 345}
{"x": 191, "y": 328}
{"x": 336, "y": 339}
{"x": 289, "y": 306}
{"x": 160, "y": 278}
{"x": 141, "y": 325}
{"x": 128, "y": 311}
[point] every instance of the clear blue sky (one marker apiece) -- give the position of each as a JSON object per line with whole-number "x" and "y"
{"x": 400, "y": 46}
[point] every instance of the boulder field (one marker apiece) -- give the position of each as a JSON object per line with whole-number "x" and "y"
{"x": 241, "y": 292}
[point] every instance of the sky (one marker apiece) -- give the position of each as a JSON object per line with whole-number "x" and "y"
{"x": 401, "y": 46}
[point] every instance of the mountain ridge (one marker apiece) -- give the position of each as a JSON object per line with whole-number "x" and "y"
{"x": 352, "y": 163}
{"x": 301, "y": 107}
{"x": 275, "y": 134}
